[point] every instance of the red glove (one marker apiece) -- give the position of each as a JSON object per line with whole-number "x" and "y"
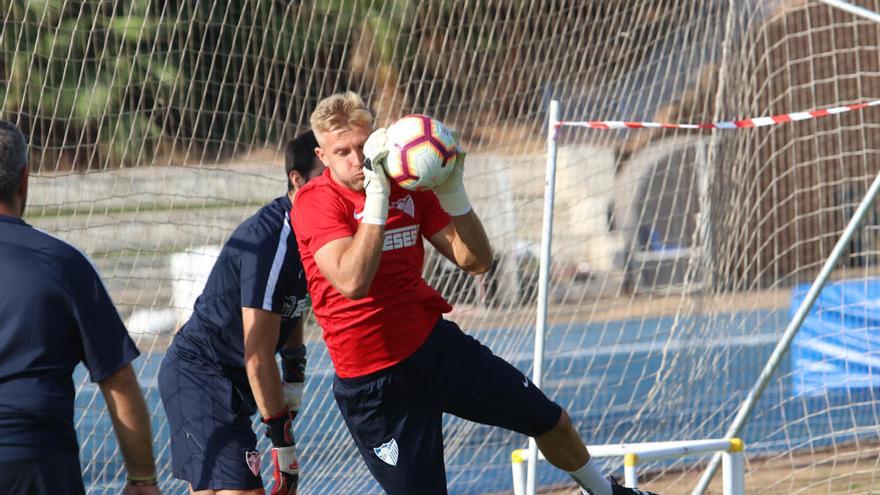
{"x": 285, "y": 470}
{"x": 285, "y": 467}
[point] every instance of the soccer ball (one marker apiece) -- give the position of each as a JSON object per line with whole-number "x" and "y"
{"x": 421, "y": 152}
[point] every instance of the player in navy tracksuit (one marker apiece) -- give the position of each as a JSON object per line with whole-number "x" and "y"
{"x": 220, "y": 369}
{"x": 55, "y": 313}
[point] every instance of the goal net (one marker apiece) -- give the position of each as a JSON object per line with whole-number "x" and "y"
{"x": 678, "y": 255}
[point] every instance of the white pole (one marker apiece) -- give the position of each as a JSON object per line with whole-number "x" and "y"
{"x": 519, "y": 471}
{"x": 630, "y": 475}
{"x": 544, "y": 275}
{"x": 853, "y": 9}
{"x": 791, "y": 330}
{"x": 733, "y": 473}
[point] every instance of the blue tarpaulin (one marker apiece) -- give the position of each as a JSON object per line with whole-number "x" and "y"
{"x": 838, "y": 346}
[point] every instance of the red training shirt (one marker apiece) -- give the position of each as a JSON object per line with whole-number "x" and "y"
{"x": 400, "y": 309}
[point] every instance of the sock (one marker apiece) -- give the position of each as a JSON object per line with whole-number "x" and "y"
{"x": 590, "y": 479}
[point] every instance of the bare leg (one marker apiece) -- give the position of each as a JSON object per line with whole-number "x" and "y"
{"x": 562, "y": 446}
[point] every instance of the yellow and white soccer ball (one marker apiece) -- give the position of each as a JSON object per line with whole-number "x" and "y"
{"x": 421, "y": 152}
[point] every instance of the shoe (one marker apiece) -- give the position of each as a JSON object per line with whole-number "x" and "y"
{"x": 618, "y": 489}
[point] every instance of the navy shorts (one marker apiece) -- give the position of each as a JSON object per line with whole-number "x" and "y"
{"x": 213, "y": 445}
{"x": 395, "y": 415}
{"x": 57, "y": 473}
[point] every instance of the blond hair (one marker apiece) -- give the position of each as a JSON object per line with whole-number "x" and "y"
{"x": 340, "y": 111}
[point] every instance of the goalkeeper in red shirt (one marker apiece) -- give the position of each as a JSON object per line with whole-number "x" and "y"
{"x": 399, "y": 364}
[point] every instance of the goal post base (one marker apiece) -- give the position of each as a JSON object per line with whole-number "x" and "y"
{"x": 637, "y": 454}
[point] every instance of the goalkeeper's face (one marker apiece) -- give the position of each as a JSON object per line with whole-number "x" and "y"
{"x": 342, "y": 151}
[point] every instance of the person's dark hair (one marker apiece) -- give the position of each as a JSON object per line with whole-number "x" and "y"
{"x": 299, "y": 155}
{"x": 13, "y": 159}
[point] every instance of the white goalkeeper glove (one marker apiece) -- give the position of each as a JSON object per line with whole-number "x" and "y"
{"x": 285, "y": 466}
{"x": 451, "y": 194}
{"x": 293, "y": 374}
{"x": 375, "y": 180}
{"x": 292, "y": 392}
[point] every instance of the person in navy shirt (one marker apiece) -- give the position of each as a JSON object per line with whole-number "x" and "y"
{"x": 55, "y": 313}
{"x": 220, "y": 368}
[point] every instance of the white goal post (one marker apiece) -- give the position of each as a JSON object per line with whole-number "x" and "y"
{"x": 526, "y": 481}
{"x": 636, "y": 454}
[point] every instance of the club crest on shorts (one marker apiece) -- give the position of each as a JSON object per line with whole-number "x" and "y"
{"x": 252, "y": 458}
{"x": 387, "y": 452}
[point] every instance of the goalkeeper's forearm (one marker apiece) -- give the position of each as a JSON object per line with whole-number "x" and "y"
{"x": 265, "y": 381}
{"x": 470, "y": 245}
{"x": 261, "y": 329}
{"x": 131, "y": 421}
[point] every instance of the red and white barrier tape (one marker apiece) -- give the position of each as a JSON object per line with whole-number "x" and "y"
{"x": 738, "y": 124}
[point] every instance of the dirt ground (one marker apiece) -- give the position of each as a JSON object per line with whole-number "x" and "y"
{"x": 849, "y": 470}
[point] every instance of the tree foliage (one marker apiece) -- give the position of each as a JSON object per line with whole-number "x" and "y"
{"x": 106, "y": 83}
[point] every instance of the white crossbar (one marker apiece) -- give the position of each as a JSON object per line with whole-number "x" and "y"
{"x": 636, "y": 454}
